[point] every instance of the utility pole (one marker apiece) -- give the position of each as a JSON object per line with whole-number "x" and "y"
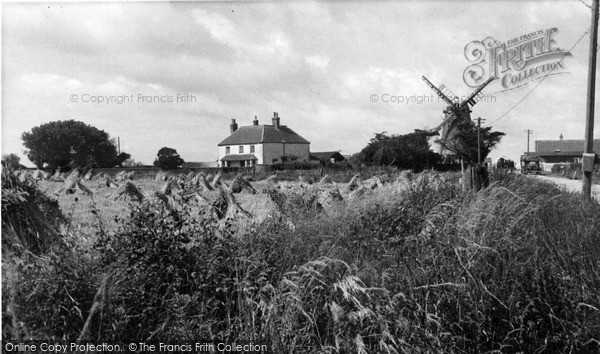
{"x": 479, "y": 139}
{"x": 118, "y": 145}
{"x": 588, "y": 146}
{"x": 529, "y": 132}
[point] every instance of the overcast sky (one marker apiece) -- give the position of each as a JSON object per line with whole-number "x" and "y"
{"x": 316, "y": 63}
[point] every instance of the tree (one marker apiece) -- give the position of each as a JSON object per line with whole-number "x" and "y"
{"x": 464, "y": 143}
{"x": 11, "y": 161}
{"x": 121, "y": 158}
{"x": 168, "y": 158}
{"x": 505, "y": 164}
{"x": 409, "y": 151}
{"x": 69, "y": 144}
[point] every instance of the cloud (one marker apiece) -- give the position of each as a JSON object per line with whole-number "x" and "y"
{"x": 46, "y": 84}
{"x": 320, "y": 61}
{"x": 273, "y": 43}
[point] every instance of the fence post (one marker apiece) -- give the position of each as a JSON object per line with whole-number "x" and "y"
{"x": 464, "y": 180}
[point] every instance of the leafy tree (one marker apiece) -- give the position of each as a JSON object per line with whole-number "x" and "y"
{"x": 168, "y": 158}
{"x": 506, "y": 164}
{"x": 121, "y": 158}
{"x": 464, "y": 143}
{"x": 69, "y": 144}
{"x": 11, "y": 161}
{"x": 409, "y": 151}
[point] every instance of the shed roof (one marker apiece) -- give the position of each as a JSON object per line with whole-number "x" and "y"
{"x": 327, "y": 155}
{"x": 547, "y": 146}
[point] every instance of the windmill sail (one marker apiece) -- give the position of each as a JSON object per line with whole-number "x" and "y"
{"x": 439, "y": 92}
{"x": 447, "y": 92}
{"x": 476, "y": 95}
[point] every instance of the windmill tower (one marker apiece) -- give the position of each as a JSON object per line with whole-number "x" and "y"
{"x": 456, "y": 113}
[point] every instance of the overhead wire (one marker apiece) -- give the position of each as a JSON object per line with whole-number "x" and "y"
{"x": 541, "y": 80}
{"x": 588, "y": 6}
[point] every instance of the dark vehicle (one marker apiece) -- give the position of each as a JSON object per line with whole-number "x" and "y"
{"x": 530, "y": 164}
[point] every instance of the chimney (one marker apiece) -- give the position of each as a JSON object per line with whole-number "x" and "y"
{"x": 561, "y": 137}
{"x": 275, "y": 120}
{"x": 233, "y": 126}
{"x": 255, "y": 121}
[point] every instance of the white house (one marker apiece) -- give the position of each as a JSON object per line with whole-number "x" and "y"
{"x": 262, "y": 144}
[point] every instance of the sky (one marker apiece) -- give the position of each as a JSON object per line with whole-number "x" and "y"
{"x": 330, "y": 69}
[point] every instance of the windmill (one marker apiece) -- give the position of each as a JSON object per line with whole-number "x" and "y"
{"x": 456, "y": 113}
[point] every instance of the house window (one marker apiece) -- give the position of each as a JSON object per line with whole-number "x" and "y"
{"x": 227, "y": 150}
{"x": 252, "y": 149}
{"x": 241, "y": 149}
{"x": 274, "y": 160}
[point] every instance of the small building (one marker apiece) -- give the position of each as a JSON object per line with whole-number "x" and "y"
{"x": 327, "y": 156}
{"x": 560, "y": 151}
{"x": 262, "y": 144}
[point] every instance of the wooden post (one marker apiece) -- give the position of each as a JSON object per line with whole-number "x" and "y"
{"x": 588, "y": 146}
{"x": 462, "y": 169}
{"x": 529, "y": 132}
{"x": 472, "y": 175}
{"x": 479, "y": 140}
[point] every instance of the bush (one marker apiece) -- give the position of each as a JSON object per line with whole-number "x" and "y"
{"x": 293, "y": 165}
{"x": 558, "y": 168}
{"x": 50, "y": 297}
{"x": 575, "y": 166}
{"x": 168, "y": 266}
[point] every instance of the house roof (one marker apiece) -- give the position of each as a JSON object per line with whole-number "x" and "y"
{"x": 571, "y": 145}
{"x": 242, "y": 157}
{"x": 257, "y": 134}
{"x": 558, "y": 153}
{"x": 327, "y": 155}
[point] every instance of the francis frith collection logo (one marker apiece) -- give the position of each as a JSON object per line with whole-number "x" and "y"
{"x": 516, "y": 62}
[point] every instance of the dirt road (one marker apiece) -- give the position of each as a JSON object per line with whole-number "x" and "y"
{"x": 571, "y": 185}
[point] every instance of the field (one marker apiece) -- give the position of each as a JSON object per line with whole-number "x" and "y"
{"x": 391, "y": 263}
{"x": 80, "y": 207}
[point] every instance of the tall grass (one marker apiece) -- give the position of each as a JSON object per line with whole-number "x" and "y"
{"x": 415, "y": 265}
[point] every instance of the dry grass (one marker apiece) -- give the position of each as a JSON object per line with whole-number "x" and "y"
{"x": 411, "y": 264}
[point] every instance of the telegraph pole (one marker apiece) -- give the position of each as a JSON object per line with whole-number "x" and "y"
{"x": 588, "y": 146}
{"x": 529, "y": 132}
{"x": 479, "y": 139}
